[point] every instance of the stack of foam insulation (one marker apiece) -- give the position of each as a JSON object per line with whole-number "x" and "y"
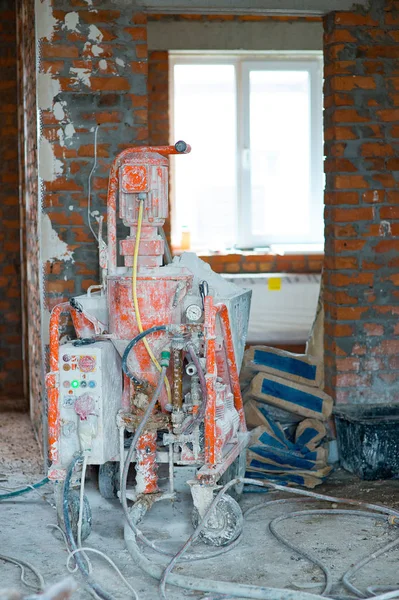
{"x": 287, "y": 410}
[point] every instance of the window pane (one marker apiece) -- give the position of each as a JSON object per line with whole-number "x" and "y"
{"x": 280, "y": 153}
{"x": 205, "y": 180}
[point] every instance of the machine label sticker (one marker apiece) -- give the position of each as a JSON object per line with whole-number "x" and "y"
{"x": 87, "y": 363}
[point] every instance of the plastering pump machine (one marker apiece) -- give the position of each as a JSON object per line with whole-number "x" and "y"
{"x": 157, "y": 354}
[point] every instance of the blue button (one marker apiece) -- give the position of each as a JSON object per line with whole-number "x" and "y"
{"x": 92, "y": 384}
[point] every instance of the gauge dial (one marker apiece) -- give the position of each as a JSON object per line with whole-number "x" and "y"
{"x": 193, "y": 312}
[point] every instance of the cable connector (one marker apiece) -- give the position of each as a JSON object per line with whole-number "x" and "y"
{"x": 165, "y": 358}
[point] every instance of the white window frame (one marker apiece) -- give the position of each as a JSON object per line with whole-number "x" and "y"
{"x": 244, "y": 63}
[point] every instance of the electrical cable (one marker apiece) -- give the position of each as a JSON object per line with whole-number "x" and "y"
{"x": 22, "y": 564}
{"x": 24, "y": 490}
{"x": 69, "y": 534}
{"x": 107, "y": 558}
{"x": 131, "y": 345}
{"x": 135, "y": 300}
{"x": 81, "y": 508}
{"x": 89, "y": 184}
{"x": 85, "y": 549}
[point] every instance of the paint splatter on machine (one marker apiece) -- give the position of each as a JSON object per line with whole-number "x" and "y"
{"x": 142, "y": 317}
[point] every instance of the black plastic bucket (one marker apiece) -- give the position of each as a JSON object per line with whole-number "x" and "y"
{"x": 368, "y": 439}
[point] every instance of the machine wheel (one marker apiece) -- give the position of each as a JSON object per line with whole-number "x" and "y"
{"x": 73, "y": 502}
{"x": 108, "y": 480}
{"x": 224, "y": 525}
{"x": 236, "y": 469}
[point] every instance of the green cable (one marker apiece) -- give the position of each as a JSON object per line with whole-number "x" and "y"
{"x": 24, "y": 490}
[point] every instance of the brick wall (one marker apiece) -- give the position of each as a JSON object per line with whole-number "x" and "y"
{"x": 158, "y": 107}
{"x": 362, "y": 204}
{"x": 11, "y": 367}
{"x": 31, "y": 272}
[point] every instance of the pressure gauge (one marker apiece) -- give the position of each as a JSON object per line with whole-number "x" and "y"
{"x": 193, "y": 312}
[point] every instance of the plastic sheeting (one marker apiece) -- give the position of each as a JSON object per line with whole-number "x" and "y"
{"x": 283, "y": 306}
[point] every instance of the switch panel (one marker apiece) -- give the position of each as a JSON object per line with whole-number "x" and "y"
{"x": 90, "y": 389}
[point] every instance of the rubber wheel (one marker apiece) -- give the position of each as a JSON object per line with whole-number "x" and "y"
{"x": 108, "y": 480}
{"x": 73, "y": 505}
{"x": 224, "y": 525}
{"x": 236, "y": 469}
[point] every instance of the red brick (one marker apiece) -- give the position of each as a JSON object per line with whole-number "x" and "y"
{"x": 343, "y": 280}
{"x": 141, "y": 50}
{"x": 338, "y": 36}
{"x": 373, "y": 329}
{"x": 109, "y": 84}
{"x": 377, "y": 149}
{"x": 353, "y": 82}
{"x": 389, "y": 212}
{"x": 137, "y": 33}
{"x": 340, "y": 133}
{"x": 339, "y": 165}
{"x": 351, "y": 19}
{"x": 345, "y": 365}
{"x": 387, "y": 347}
{"x": 343, "y": 215}
{"x": 389, "y": 115}
{"x": 387, "y": 246}
{"x": 350, "y": 182}
{"x": 352, "y": 380}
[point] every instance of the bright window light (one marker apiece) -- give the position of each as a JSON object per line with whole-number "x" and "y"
{"x": 254, "y": 177}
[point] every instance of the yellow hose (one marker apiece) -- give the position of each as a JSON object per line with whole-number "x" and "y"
{"x": 135, "y": 301}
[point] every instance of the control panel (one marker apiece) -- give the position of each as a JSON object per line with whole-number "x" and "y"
{"x": 90, "y": 391}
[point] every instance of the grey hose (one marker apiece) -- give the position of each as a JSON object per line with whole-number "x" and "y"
{"x": 352, "y": 570}
{"x": 207, "y": 585}
{"x": 308, "y": 555}
{"x": 234, "y": 589}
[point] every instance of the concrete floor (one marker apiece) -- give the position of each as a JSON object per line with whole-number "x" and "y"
{"x": 338, "y": 541}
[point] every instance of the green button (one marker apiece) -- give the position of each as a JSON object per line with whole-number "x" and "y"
{"x": 75, "y": 383}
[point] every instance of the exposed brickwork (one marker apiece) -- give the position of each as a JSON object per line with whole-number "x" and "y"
{"x": 265, "y": 263}
{"x": 30, "y": 207}
{"x": 158, "y": 97}
{"x": 362, "y": 217}
{"x": 158, "y": 106}
{"x": 11, "y": 367}
{"x": 98, "y": 58}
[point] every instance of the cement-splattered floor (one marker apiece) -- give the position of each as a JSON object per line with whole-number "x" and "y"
{"x": 338, "y": 541}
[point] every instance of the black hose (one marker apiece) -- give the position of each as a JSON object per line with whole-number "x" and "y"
{"x": 69, "y": 534}
{"x": 131, "y": 344}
